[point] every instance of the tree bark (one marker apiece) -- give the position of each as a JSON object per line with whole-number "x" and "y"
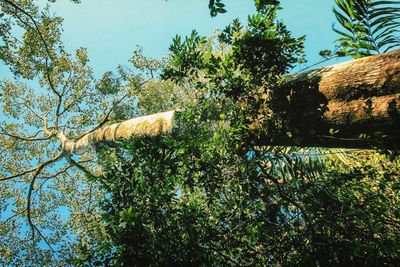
{"x": 151, "y": 125}
{"x": 354, "y": 104}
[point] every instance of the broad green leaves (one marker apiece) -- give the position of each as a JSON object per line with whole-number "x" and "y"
{"x": 209, "y": 196}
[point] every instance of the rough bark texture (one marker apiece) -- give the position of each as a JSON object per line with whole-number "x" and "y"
{"x": 358, "y": 101}
{"x": 354, "y": 104}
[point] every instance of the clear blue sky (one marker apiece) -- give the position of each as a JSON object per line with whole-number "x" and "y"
{"x": 110, "y": 29}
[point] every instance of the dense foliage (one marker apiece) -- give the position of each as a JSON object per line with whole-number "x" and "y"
{"x": 192, "y": 199}
{"x": 208, "y": 195}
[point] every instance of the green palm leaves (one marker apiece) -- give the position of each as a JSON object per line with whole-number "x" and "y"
{"x": 368, "y": 26}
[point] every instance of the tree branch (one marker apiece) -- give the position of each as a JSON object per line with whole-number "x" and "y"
{"x": 19, "y": 174}
{"x": 35, "y": 175}
{"x": 13, "y": 216}
{"x": 23, "y": 138}
{"x": 23, "y": 103}
{"x": 81, "y": 167}
{"x": 36, "y": 28}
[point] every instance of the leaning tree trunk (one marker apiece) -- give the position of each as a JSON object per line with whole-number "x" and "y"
{"x": 354, "y": 104}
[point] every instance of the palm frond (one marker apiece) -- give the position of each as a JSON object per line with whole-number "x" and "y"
{"x": 368, "y": 27}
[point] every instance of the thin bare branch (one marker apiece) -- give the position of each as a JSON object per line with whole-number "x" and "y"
{"x": 70, "y": 105}
{"x": 24, "y": 138}
{"x": 14, "y": 216}
{"x": 50, "y": 176}
{"x": 19, "y": 174}
{"x": 80, "y": 166}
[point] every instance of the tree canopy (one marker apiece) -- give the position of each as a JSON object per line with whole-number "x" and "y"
{"x": 208, "y": 194}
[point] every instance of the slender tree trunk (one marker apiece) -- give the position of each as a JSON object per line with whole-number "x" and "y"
{"x": 354, "y": 104}
{"x": 151, "y": 125}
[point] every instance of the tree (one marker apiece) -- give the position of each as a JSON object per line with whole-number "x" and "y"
{"x": 70, "y": 104}
{"x": 54, "y": 94}
{"x": 344, "y": 109}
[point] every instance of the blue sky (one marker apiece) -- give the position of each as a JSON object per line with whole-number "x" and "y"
{"x": 111, "y": 29}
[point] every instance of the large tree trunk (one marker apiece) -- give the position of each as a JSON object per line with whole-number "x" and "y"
{"x": 354, "y": 104}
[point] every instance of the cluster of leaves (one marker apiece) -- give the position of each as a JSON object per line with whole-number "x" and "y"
{"x": 238, "y": 70}
{"x": 368, "y": 26}
{"x": 216, "y": 6}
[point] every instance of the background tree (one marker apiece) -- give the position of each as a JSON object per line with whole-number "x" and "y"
{"x": 45, "y": 196}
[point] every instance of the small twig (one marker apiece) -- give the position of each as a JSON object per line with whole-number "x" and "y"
{"x": 63, "y": 170}
{"x": 13, "y": 216}
{"x": 316, "y": 64}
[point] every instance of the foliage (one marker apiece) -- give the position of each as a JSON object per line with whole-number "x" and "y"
{"x": 354, "y": 211}
{"x": 207, "y": 195}
{"x": 196, "y": 198}
{"x": 216, "y": 6}
{"x": 368, "y": 26}
{"x": 188, "y": 199}
{"x": 238, "y": 70}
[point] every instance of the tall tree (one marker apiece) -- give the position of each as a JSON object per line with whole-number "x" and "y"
{"x": 53, "y": 102}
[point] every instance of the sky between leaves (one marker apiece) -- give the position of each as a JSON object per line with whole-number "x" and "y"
{"x": 111, "y": 29}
